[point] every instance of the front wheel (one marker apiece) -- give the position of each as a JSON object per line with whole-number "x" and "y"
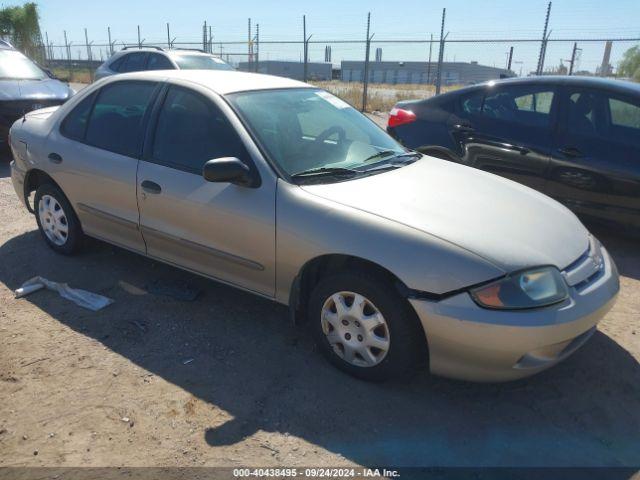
{"x": 57, "y": 221}
{"x": 364, "y": 327}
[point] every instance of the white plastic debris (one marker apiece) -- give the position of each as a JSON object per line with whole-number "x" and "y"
{"x": 85, "y": 299}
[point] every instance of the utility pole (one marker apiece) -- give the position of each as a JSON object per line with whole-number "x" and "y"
{"x": 168, "y": 36}
{"x": 257, "y": 54}
{"x": 543, "y": 45}
{"x": 139, "y": 41}
{"x": 429, "y": 64}
{"x": 204, "y": 36}
{"x": 48, "y": 49}
{"x": 86, "y": 40}
{"x": 210, "y": 43}
{"x": 441, "y": 54}
{"x": 510, "y": 58}
{"x": 365, "y": 83}
{"x": 110, "y": 44}
{"x": 304, "y": 47}
{"x": 573, "y": 57}
{"x": 249, "y": 46}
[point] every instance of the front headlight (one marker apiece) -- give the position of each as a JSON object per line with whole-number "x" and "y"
{"x": 533, "y": 288}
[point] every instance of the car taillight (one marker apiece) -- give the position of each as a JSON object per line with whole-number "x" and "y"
{"x": 400, "y": 116}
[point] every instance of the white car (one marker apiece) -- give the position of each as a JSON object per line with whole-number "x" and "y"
{"x": 134, "y": 59}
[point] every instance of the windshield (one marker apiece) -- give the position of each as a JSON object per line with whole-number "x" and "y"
{"x": 200, "y": 62}
{"x": 15, "y": 66}
{"x": 306, "y": 130}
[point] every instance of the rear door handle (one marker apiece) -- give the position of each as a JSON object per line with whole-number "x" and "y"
{"x": 151, "y": 187}
{"x": 55, "y": 158}
{"x": 570, "y": 152}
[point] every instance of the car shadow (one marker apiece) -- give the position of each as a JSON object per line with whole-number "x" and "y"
{"x": 5, "y": 169}
{"x": 250, "y": 361}
{"x": 623, "y": 247}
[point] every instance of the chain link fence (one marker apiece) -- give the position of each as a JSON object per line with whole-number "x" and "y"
{"x": 370, "y": 72}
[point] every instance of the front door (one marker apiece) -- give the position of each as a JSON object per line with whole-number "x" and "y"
{"x": 220, "y": 230}
{"x": 595, "y": 165}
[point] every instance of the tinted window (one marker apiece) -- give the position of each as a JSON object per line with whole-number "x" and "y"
{"x": 624, "y": 114}
{"x": 526, "y": 105}
{"x": 471, "y": 103}
{"x": 191, "y": 130}
{"x": 75, "y": 123}
{"x": 116, "y": 120}
{"x": 134, "y": 62}
{"x": 582, "y": 113}
{"x": 117, "y": 65}
{"x": 159, "y": 62}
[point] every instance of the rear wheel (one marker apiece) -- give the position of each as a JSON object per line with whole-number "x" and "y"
{"x": 364, "y": 327}
{"x": 56, "y": 219}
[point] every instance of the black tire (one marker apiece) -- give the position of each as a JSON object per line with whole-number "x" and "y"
{"x": 74, "y": 233}
{"x": 407, "y": 344}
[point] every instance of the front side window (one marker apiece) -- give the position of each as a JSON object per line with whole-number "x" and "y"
{"x": 15, "y": 66}
{"x": 134, "y": 62}
{"x": 159, "y": 62}
{"x": 200, "y": 62}
{"x": 625, "y": 114}
{"x": 305, "y": 128}
{"x": 523, "y": 104}
{"x": 117, "y": 117}
{"x": 191, "y": 130}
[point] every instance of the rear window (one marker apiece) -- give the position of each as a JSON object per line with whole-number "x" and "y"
{"x": 523, "y": 104}
{"x": 200, "y": 62}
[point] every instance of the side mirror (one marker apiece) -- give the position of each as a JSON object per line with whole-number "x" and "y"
{"x": 229, "y": 169}
{"x": 50, "y": 74}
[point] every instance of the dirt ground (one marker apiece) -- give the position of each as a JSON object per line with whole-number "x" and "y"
{"x": 225, "y": 380}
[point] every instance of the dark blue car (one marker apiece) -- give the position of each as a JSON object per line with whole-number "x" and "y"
{"x": 24, "y": 87}
{"x": 576, "y": 139}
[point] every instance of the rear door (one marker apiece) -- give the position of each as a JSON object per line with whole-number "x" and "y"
{"x": 94, "y": 158}
{"x": 595, "y": 166}
{"x": 510, "y": 133}
{"x": 220, "y": 230}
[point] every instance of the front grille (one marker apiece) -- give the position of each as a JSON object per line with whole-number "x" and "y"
{"x": 587, "y": 268}
{"x": 12, "y": 110}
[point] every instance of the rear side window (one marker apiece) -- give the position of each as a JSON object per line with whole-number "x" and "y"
{"x": 471, "y": 104}
{"x": 117, "y": 117}
{"x": 134, "y": 62}
{"x": 74, "y": 125}
{"x": 191, "y": 130}
{"x": 159, "y": 62}
{"x": 117, "y": 65}
{"x": 524, "y": 104}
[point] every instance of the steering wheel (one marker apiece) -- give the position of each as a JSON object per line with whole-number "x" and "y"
{"x": 342, "y": 135}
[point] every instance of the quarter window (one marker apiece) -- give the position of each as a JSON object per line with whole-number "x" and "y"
{"x": 191, "y": 130}
{"x": 75, "y": 123}
{"x": 117, "y": 118}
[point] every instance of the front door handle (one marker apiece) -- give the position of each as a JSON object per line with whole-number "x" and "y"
{"x": 570, "y": 152}
{"x": 463, "y": 128}
{"x": 151, "y": 187}
{"x": 55, "y": 158}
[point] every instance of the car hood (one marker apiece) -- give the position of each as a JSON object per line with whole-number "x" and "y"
{"x": 49, "y": 89}
{"x": 508, "y": 224}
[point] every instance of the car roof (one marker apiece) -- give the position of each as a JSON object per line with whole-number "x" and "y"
{"x": 611, "y": 84}
{"x": 219, "y": 81}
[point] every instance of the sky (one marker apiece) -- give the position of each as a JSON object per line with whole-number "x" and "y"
{"x": 346, "y": 20}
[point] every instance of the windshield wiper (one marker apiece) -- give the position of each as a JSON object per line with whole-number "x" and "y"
{"x": 326, "y": 171}
{"x": 380, "y": 154}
